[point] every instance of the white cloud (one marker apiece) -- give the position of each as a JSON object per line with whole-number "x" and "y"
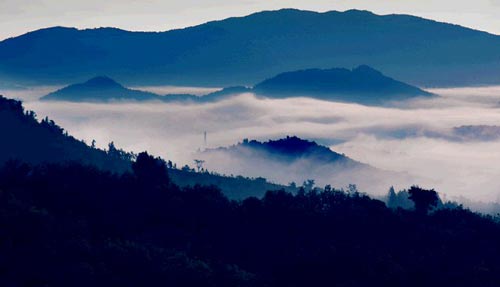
{"x": 398, "y": 139}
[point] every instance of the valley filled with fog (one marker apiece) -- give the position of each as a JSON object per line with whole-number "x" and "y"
{"x": 448, "y": 142}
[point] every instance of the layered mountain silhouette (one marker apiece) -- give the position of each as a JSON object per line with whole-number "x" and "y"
{"x": 292, "y": 159}
{"x": 362, "y": 84}
{"x": 222, "y": 94}
{"x": 28, "y": 140}
{"x": 105, "y": 89}
{"x": 98, "y": 89}
{"x": 247, "y": 50}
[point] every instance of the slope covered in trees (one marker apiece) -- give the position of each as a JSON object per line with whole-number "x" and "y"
{"x": 26, "y": 139}
{"x": 72, "y": 225}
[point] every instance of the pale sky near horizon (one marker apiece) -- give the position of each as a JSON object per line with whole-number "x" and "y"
{"x": 20, "y": 16}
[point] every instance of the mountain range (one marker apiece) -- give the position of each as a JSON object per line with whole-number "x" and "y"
{"x": 247, "y": 50}
{"x": 105, "y": 89}
{"x": 363, "y": 85}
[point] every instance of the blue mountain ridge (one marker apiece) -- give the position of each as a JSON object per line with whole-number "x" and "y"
{"x": 363, "y": 85}
{"x": 249, "y": 49}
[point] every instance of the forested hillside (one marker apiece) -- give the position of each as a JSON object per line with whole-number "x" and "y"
{"x": 26, "y": 139}
{"x": 70, "y": 225}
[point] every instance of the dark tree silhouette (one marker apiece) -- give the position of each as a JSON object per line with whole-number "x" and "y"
{"x": 424, "y": 199}
{"x": 399, "y": 199}
{"x": 74, "y": 225}
{"x": 150, "y": 171}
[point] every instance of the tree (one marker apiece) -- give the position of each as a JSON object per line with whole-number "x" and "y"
{"x": 118, "y": 153}
{"x": 328, "y": 188}
{"x": 424, "y": 199}
{"x": 392, "y": 198}
{"x": 352, "y": 189}
{"x": 199, "y": 164}
{"x": 150, "y": 171}
{"x": 399, "y": 199}
{"x": 112, "y": 150}
{"x": 308, "y": 185}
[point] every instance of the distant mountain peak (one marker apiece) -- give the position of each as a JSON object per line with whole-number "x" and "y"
{"x": 367, "y": 70}
{"x": 359, "y": 12}
{"x": 289, "y": 148}
{"x": 98, "y": 89}
{"x": 363, "y": 84}
{"x": 298, "y": 12}
{"x": 103, "y": 82}
{"x": 289, "y": 144}
{"x": 104, "y": 89}
{"x": 293, "y": 159}
{"x": 282, "y": 11}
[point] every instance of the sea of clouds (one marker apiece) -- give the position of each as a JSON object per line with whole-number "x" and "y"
{"x": 418, "y": 138}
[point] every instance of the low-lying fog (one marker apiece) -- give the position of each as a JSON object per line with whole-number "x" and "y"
{"x": 416, "y": 137}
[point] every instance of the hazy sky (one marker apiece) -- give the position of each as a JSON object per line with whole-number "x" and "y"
{"x": 20, "y": 16}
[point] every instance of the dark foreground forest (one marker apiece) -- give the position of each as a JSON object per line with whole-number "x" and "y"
{"x": 71, "y": 225}
{"x": 76, "y": 215}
